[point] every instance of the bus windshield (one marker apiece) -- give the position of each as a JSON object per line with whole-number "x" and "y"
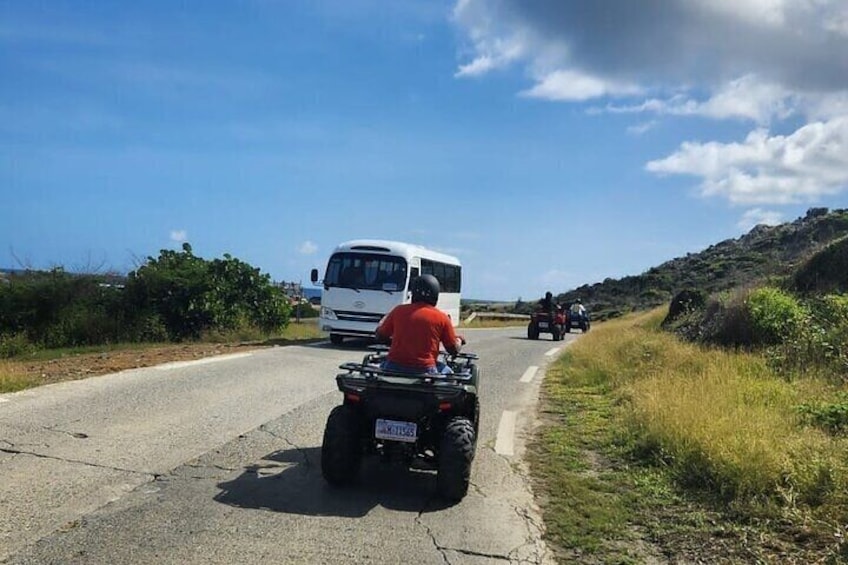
{"x": 366, "y": 271}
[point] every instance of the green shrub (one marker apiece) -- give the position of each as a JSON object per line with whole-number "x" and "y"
{"x": 775, "y": 315}
{"x": 13, "y": 345}
{"x": 821, "y": 344}
{"x": 175, "y": 296}
{"x": 60, "y": 309}
{"x": 192, "y": 296}
{"x": 830, "y": 416}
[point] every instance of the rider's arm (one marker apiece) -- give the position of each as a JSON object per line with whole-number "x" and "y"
{"x": 450, "y": 340}
{"x": 385, "y": 328}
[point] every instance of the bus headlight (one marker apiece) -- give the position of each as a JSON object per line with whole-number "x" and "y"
{"x": 328, "y": 314}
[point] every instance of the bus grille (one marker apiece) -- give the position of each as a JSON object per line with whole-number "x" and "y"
{"x": 350, "y": 316}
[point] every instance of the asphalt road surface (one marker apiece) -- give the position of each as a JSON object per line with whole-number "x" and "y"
{"x": 218, "y": 461}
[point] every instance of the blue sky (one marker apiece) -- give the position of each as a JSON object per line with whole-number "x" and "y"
{"x": 547, "y": 143}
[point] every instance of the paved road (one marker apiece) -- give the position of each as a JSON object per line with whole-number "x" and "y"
{"x": 218, "y": 462}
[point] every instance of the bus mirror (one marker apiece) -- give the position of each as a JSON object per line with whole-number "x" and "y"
{"x": 313, "y": 275}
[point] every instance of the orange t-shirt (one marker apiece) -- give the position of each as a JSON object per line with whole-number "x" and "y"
{"x": 416, "y": 331}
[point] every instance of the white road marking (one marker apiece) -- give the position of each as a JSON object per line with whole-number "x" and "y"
{"x": 4, "y": 400}
{"x": 529, "y": 374}
{"x": 506, "y": 432}
{"x": 181, "y": 364}
{"x": 551, "y": 351}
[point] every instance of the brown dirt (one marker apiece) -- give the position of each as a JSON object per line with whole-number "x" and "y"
{"x": 80, "y": 366}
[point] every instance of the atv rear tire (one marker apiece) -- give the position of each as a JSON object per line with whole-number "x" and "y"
{"x": 532, "y": 331}
{"x": 455, "y": 456}
{"x": 341, "y": 453}
{"x": 555, "y": 334}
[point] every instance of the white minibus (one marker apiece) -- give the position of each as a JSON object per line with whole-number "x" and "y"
{"x": 366, "y": 278}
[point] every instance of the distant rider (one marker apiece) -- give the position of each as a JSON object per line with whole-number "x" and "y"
{"x": 417, "y": 329}
{"x": 547, "y": 304}
{"x": 578, "y": 310}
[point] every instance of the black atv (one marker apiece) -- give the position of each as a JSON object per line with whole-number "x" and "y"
{"x": 423, "y": 420}
{"x": 578, "y": 321}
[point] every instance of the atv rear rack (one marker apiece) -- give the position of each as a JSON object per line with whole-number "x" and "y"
{"x": 461, "y": 364}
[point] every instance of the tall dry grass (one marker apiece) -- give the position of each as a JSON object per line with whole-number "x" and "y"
{"x": 721, "y": 422}
{"x": 12, "y": 379}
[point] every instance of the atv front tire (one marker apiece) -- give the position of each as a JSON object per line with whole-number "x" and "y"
{"x": 341, "y": 453}
{"x": 455, "y": 456}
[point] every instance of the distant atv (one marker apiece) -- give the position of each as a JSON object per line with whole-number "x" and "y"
{"x": 541, "y": 322}
{"x": 425, "y": 420}
{"x": 579, "y": 321}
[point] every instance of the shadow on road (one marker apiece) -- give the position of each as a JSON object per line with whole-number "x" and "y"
{"x": 290, "y": 481}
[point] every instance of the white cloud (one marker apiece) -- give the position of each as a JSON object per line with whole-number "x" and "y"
{"x": 642, "y": 128}
{"x": 746, "y": 98}
{"x": 758, "y": 216}
{"x": 768, "y": 169}
{"x": 757, "y": 61}
{"x": 671, "y": 44}
{"x": 179, "y": 236}
{"x": 576, "y": 86}
{"x": 765, "y": 13}
{"x": 307, "y": 248}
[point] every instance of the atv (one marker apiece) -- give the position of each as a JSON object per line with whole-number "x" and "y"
{"x": 425, "y": 421}
{"x": 580, "y": 321}
{"x": 544, "y": 322}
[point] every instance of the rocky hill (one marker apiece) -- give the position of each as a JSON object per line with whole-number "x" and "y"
{"x": 763, "y": 253}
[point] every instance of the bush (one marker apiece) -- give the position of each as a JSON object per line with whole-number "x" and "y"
{"x": 820, "y": 344}
{"x": 175, "y": 296}
{"x": 727, "y": 321}
{"x": 830, "y": 416}
{"x": 775, "y": 315}
{"x": 192, "y": 296}
{"x": 59, "y": 309}
{"x": 13, "y": 345}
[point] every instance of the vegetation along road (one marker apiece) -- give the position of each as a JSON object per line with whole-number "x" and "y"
{"x": 218, "y": 461}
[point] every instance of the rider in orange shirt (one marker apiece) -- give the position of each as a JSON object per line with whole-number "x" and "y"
{"x": 416, "y": 330}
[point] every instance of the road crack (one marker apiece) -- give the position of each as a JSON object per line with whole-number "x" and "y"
{"x": 443, "y": 550}
{"x": 303, "y": 453}
{"x": 14, "y": 451}
{"x": 77, "y": 435}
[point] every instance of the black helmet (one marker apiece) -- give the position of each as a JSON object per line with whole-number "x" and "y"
{"x": 425, "y": 289}
{"x": 548, "y": 295}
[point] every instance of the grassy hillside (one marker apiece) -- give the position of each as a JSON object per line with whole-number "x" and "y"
{"x": 763, "y": 253}
{"x": 652, "y": 449}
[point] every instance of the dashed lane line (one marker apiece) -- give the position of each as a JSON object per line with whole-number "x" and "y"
{"x": 551, "y": 351}
{"x": 505, "y": 442}
{"x": 529, "y": 374}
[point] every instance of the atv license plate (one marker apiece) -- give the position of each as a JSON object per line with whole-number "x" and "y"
{"x": 543, "y": 324}
{"x": 396, "y": 431}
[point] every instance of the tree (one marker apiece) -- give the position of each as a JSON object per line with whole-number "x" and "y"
{"x": 190, "y": 295}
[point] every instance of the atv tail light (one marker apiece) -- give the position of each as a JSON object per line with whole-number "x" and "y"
{"x": 445, "y": 406}
{"x": 352, "y": 397}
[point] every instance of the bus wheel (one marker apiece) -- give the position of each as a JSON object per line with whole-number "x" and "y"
{"x": 336, "y": 339}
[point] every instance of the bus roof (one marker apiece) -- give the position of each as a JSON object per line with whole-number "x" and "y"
{"x": 399, "y": 248}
